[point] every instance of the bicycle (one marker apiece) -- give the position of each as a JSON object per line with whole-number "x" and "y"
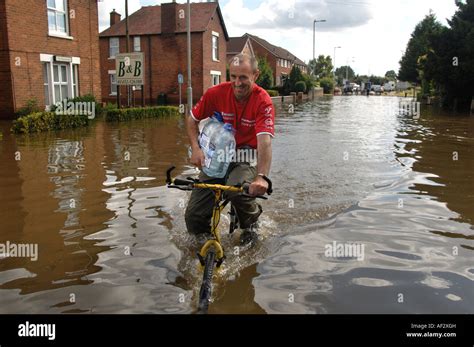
{"x": 212, "y": 252}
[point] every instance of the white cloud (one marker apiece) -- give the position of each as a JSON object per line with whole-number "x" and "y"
{"x": 373, "y": 32}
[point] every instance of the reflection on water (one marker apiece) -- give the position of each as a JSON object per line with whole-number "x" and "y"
{"x": 112, "y": 238}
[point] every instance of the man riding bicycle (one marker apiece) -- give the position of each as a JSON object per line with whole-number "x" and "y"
{"x": 249, "y": 109}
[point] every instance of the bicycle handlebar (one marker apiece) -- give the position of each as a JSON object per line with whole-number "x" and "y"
{"x": 189, "y": 184}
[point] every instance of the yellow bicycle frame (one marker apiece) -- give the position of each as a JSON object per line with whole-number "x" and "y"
{"x": 216, "y": 214}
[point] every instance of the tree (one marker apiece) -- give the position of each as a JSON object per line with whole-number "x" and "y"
{"x": 450, "y": 62}
{"x": 265, "y": 79}
{"x": 327, "y": 83}
{"x": 341, "y": 74}
{"x": 295, "y": 76}
{"x": 376, "y": 79}
{"x": 321, "y": 67}
{"x": 391, "y": 75}
{"x": 419, "y": 45}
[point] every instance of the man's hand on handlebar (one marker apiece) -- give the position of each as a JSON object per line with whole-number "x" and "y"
{"x": 258, "y": 187}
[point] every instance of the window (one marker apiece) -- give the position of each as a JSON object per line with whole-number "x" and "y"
{"x": 75, "y": 85}
{"x": 113, "y": 47}
{"x": 215, "y": 78}
{"x": 60, "y": 82}
{"x": 46, "y": 83}
{"x": 57, "y": 17}
{"x": 113, "y": 84}
{"x": 215, "y": 47}
{"x": 136, "y": 44}
{"x": 60, "y": 78}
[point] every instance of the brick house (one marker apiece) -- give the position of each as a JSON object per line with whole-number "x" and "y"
{"x": 237, "y": 45}
{"x": 280, "y": 60}
{"x": 160, "y": 33}
{"x": 49, "y": 51}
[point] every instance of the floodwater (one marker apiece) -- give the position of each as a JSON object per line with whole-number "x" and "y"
{"x": 351, "y": 173}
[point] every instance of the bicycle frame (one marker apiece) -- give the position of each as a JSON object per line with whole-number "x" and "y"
{"x": 215, "y": 241}
{"x": 219, "y": 205}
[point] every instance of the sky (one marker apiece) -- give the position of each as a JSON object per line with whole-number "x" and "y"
{"x": 372, "y": 34}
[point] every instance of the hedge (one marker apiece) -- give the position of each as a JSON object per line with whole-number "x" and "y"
{"x": 272, "y": 92}
{"x": 89, "y": 98}
{"x": 125, "y": 114}
{"x": 46, "y": 121}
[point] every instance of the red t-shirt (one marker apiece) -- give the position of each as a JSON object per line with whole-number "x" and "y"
{"x": 253, "y": 117}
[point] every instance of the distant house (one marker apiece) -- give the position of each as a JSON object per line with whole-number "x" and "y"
{"x": 49, "y": 51}
{"x": 237, "y": 45}
{"x": 160, "y": 33}
{"x": 280, "y": 60}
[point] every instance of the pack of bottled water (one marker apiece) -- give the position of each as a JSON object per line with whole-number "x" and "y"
{"x": 217, "y": 142}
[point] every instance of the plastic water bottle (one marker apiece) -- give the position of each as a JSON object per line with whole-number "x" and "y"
{"x": 218, "y": 145}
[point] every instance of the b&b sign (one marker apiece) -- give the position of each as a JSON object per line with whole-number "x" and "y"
{"x": 130, "y": 69}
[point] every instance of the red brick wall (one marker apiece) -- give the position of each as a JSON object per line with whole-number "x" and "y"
{"x": 168, "y": 58}
{"x": 6, "y": 100}
{"x": 272, "y": 61}
{"x": 27, "y": 22}
{"x": 208, "y": 63}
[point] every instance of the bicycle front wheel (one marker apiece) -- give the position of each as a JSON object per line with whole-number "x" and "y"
{"x": 206, "y": 287}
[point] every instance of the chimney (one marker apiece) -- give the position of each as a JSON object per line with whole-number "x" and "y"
{"x": 168, "y": 17}
{"x": 115, "y": 17}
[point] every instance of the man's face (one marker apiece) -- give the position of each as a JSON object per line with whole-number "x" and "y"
{"x": 242, "y": 79}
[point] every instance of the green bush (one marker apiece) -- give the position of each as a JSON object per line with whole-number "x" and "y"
{"x": 47, "y": 121}
{"x": 109, "y": 106}
{"x": 272, "y": 92}
{"x": 125, "y": 114}
{"x": 30, "y": 107}
{"x": 310, "y": 83}
{"x": 327, "y": 84}
{"x": 300, "y": 86}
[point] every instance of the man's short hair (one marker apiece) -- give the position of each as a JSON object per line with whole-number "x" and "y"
{"x": 245, "y": 58}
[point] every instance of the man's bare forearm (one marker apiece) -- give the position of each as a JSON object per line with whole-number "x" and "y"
{"x": 264, "y": 150}
{"x": 192, "y": 129}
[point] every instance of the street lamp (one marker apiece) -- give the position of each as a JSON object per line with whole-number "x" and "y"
{"x": 314, "y": 35}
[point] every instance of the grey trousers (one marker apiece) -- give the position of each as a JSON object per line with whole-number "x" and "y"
{"x": 199, "y": 210}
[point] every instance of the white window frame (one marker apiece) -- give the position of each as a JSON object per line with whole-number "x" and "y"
{"x": 215, "y": 47}
{"x": 215, "y": 74}
{"x": 113, "y": 91}
{"x": 55, "y": 32}
{"x": 113, "y": 39}
{"x": 72, "y": 68}
{"x": 137, "y": 46}
{"x": 75, "y": 80}
{"x": 60, "y": 82}
{"x": 47, "y": 84}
